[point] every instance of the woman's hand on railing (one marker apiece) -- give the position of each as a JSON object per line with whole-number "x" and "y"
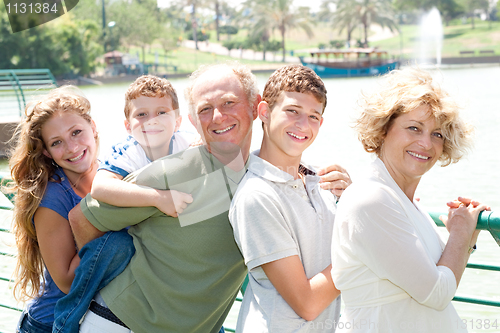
{"x": 461, "y": 223}
{"x": 463, "y": 213}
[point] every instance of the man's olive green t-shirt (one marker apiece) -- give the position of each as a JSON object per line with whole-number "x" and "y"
{"x": 186, "y": 271}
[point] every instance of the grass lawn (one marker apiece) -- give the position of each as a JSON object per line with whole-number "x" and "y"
{"x": 187, "y": 60}
{"x": 485, "y": 36}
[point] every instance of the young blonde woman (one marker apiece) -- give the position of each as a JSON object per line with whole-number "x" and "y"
{"x": 52, "y": 165}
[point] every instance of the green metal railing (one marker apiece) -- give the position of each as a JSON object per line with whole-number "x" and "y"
{"x": 17, "y": 84}
{"x": 6, "y": 205}
{"x": 489, "y": 221}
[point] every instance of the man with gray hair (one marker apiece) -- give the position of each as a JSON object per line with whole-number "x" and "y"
{"x": 186, "y": 270}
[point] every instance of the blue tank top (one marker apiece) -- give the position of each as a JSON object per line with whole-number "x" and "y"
{"x": 60, "y": 197}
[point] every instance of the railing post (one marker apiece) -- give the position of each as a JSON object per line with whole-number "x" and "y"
{"x": 20, "y": 91}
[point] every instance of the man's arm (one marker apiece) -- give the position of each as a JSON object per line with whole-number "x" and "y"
{"x": 83, "y": 230}
{"x": 334, "y": 178}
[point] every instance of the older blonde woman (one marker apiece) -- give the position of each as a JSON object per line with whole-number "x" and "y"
{"x": 394, "y": 272}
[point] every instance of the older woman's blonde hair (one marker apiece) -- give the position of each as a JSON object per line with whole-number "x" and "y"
{"x": 401, "y": 92}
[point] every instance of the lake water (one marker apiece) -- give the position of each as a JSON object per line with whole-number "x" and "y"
{"x": 476, "y": 176}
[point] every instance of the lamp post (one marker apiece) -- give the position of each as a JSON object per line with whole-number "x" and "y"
{"x": 111, "y": 25}
{"x": 103, "y": 25}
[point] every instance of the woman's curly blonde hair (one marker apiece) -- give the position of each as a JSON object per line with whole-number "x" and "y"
{"x": 401, "y": 92}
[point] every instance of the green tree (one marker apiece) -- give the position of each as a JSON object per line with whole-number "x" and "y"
{"x": 75, "y": 42}
{"x": 351, "y": 13}
{"x": 194, "y": 5}
{"x": 131, "y": 28}
{"x": 79, "y": 42}
{"x": 378, "y": 12}
{"x": 449, "y": 9}
{"x": 471, "y": 6}
{"x": 277, "y": 14}
{"x": 260, "y": 26}
{"x": 346, "y": 17}
{"x": 228, "y": 30}
{"x": 170, "y": 38}
{"x": 325, "y": 10}
{"x": 226, "y": 11}
{"x": 231, "y": 45}
{"x": 194, "y": 23}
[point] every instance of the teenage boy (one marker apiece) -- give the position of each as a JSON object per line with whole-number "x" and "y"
{"x": 282, "y": 219}
{"x": 152, "y": 121}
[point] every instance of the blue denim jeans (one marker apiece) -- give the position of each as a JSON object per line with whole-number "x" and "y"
{"x": 101, "y": 260}
{"x": 29, "y": 325}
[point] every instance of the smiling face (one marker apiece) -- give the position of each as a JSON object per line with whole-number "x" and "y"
{"x": 412, "y": 145}
{"x": 70, "y": 141}
{"x": 223, "y": 114}
{"x": 290, "y": 127}
{"x": 152, "y": 122}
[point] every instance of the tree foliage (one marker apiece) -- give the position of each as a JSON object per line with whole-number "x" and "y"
{"x": 351, "y": 13}
{"x": 267, "y": 15}
{"x": 131, "y": 27}
{"x": 378, "y": 12}
{"x": 472, "y": 6}
{"x": 346, "y": 17}
{"x": 65, "y": 46}
{"x": 449, "y": 9}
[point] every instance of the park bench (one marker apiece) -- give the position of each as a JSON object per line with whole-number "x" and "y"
{"x": 467, "y": 53}
{"x": 482, "y": 52}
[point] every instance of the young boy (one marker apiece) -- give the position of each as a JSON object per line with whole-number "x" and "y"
{"x": 152, "y": 120}
{"x": 282, "y": 219}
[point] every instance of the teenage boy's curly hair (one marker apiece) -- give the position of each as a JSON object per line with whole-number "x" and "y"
{"x": 150, "y": 86}
{"x": 294, "y": 78}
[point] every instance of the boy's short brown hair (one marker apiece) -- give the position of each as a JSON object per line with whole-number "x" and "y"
{"x": 294, "y": 78}
{"x": 150, "y": 86}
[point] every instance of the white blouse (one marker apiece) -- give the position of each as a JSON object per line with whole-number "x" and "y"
{"x": 384, "y": 254}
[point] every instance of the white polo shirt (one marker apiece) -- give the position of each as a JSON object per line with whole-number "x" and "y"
{"x": 274, "y": 217}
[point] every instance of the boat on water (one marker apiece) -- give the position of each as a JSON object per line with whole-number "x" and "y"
{"x": 350, "y": 62}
